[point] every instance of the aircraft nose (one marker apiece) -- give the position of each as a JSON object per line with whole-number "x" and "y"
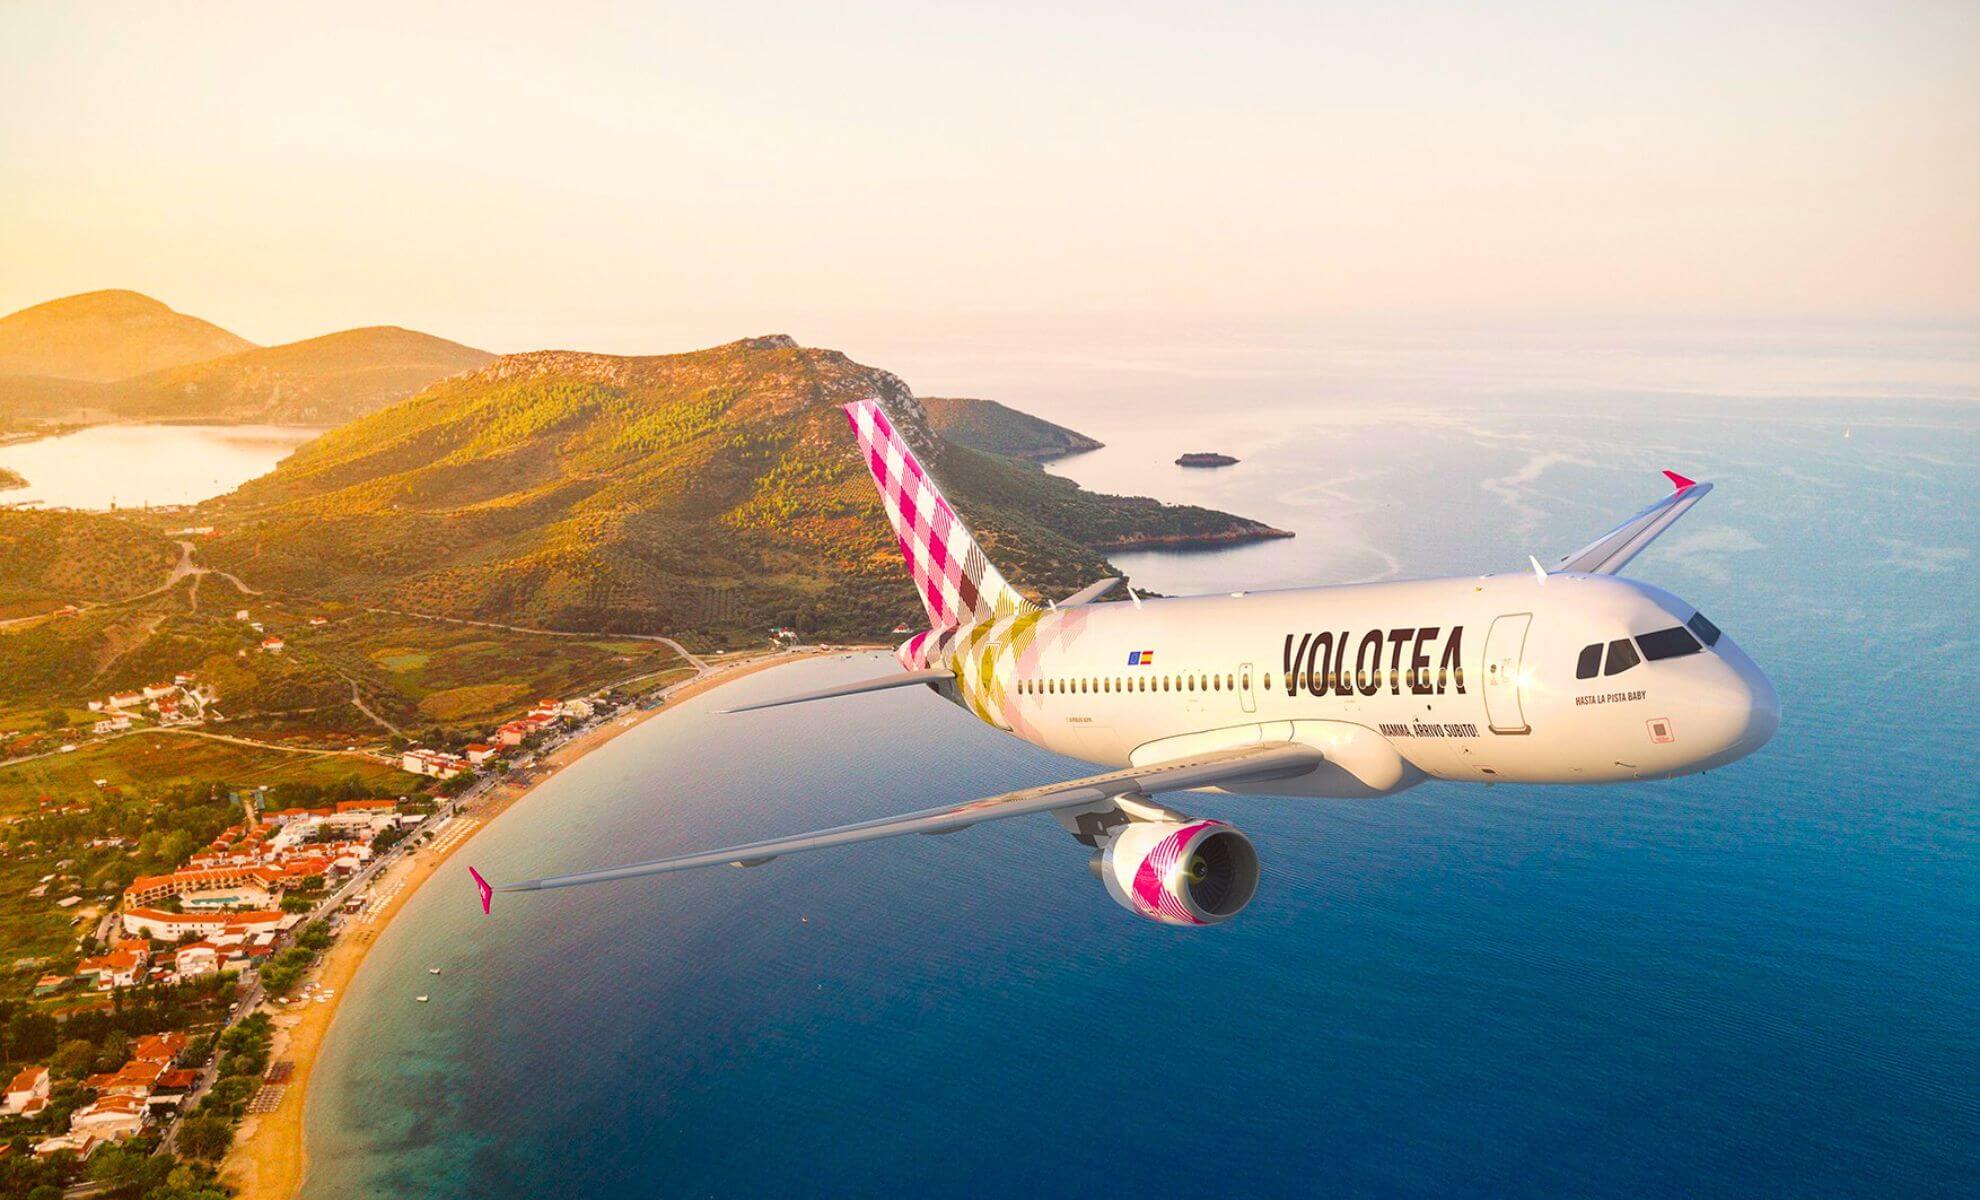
{"x": 1741, "y": 707}
{"x": 1766, "y": 711}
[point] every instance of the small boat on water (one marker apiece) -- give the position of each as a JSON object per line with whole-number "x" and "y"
{"x": 433, "y": 970}
{"x": 422, "y": 999}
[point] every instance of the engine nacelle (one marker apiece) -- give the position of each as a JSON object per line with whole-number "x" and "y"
{"x": 1179, "y": 872}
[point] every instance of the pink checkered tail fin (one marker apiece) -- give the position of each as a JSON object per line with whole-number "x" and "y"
{"x": 958, "y": 585}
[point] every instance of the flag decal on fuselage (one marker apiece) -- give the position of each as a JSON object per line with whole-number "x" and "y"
{"x": 1141, "y": 658}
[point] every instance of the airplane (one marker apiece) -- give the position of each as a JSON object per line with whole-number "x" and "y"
{"x": 1565, "y": 675}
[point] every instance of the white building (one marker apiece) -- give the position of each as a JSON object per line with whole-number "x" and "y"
{"x": 30, "y": 1084}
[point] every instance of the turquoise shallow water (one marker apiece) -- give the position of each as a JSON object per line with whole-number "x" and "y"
{"x": 1761, "y": 981}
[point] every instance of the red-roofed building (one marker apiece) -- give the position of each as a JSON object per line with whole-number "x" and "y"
{"x": 171, "y": 926}
{"x": 29, "y": 1084}
{"x": 161, "y": 1047}
{"x": 111, "y": 1117}
{"x": 210, "y": 887}
{"x": 119, "y": 968}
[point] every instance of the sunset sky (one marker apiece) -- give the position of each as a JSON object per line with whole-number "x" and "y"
{"x": 645, "y": 177}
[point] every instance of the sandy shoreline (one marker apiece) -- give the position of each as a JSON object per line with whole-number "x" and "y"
{"x": 268, "y": 1161}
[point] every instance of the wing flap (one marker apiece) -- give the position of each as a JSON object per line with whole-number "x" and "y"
{"x": 1251, "y": 764}
{"x": 1611, "y": 552}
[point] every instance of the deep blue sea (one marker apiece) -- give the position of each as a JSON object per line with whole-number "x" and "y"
{"x": 1760, "y": 982}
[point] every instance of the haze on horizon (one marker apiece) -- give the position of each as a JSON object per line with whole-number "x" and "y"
{"x": 613, "y": 178}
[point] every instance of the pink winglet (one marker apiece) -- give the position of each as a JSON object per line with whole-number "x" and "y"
{"x": 1678, "y": 481}
{"x": 487, "y": 893}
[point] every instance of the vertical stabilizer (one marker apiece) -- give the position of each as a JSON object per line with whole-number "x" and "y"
{"x": 957, "y": 584}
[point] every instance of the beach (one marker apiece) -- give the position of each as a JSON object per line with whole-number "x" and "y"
{"x": 268, "y": 1160}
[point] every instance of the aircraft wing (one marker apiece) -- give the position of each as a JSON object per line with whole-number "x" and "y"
{"x": 1609, "y": 553}
{"x": 1249, "y": 764}
{"x": 858, "y": 688}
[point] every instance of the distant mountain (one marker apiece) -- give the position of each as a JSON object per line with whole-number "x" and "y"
{"x": 995, "y": 429}
{"x": 101, "y": 336}
{"x": 322, "y": 381}
{"x": 714, "y": 492}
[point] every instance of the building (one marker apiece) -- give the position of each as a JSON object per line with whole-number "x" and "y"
{"x": 111, "y": 1118}
{"x": 437, "y": 763}
{"x": 478, "y": 752}
{"x": 134, "y": 1078}
{"x": 127, "y": 700}
{"x": 29, "y": 1084}
{"x": 272, "y": 644}
{"x": 78, "y": 1144}
{"x": 512, "y": 734}
{"x": 120, "y": 968}
{"x": 171, "y": 926}
{"x": 209, "y": 888}
{"x": 195, "y": 960}
{"x": 111, "y": 725}
{"x": 161, "y": 1047}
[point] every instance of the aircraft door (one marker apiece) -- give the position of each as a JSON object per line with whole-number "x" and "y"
{"x": 1246, "y": 696}
{"x": 1505, "y": 644}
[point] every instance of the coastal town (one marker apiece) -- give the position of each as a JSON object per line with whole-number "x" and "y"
{"x": 163, "y": 1033}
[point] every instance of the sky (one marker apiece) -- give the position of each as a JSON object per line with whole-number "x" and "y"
{"x": 656, "y": 176}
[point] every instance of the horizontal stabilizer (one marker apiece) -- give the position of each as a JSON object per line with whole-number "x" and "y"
{"x": 1090, "y": 593}
{"x": 882, "y": 684}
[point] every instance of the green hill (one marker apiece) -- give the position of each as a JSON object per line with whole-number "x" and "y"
{"x": 321, "y": 381}
{"x": 48, "y": 559}
{"x": 997, "y": 429}
{"x": 101, "y": 336}
{"x": 715, "y": 492}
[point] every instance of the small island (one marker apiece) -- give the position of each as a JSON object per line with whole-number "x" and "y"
{"x": 1206, "y": 460}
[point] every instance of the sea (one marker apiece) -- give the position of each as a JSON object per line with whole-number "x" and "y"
{"x": 134, "y": 466}
{"x": 1763, "y": 981}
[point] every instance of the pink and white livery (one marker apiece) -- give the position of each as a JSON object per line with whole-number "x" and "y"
{"x": 1568, "y": 675}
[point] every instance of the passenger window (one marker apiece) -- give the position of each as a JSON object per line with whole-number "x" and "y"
{"x": 1667, "y": 643}
{"x": 1622, "y": 656}
{"x": 1590, "y": 663}
{"x": 1706, "y": 631}
{"x": 1230, "y": 681}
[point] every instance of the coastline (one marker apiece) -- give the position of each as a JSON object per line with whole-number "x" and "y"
{"x": 268, "y": 1160}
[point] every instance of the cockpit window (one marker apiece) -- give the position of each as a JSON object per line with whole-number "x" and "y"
{"x": 1706, "y": 631}
{"x": 1590, "y": 662}
{"x": 1667, "y": 643}
{"x": 1622, "y": 656}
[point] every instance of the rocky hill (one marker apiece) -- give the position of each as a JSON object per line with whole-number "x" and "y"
{"x": 997, "y": 429}
{"x": 101, "y": 336}
{"x": 120, "y": 356}
{"x": 321, "y": 381}
{"x": 715, "y": 492}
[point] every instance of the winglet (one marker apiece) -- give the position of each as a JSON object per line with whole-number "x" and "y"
{"x": 481, "y": 886}
{"x": 1678, "y": 481}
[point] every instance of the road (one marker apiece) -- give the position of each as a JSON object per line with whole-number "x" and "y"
{"x": 670, "y": 643}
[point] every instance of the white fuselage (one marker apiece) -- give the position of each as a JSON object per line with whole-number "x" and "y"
{"x": 1459, "y": 679}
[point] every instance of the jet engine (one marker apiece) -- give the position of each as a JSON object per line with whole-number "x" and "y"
{"x": 1184, "y": 872}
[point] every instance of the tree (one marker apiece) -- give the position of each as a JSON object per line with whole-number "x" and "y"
{"x": 55, "y": 719}
{"x": 73, "y": 1058}
{"x": 202, "y": 1136}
